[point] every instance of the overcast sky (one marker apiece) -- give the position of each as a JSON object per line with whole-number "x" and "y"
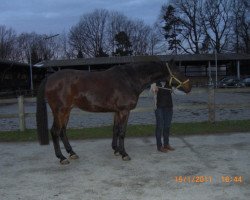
{"x": 56, "y": 16}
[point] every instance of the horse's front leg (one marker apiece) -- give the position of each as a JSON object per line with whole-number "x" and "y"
{"x": 123, "y": 120}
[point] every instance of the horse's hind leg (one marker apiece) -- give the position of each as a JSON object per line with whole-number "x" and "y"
{"x": 61, "y": 118}
{"x": 55, "y": 131}
{"x": 115, "y": 134}
{"x": 67, "y": 145}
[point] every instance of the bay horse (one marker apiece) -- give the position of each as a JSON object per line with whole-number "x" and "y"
{"x": 116, "y": 90}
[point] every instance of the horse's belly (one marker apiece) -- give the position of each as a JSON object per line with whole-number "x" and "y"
{"x": 95, "y": 108}
{"x": 104, "y": 104}
{"x": 92, "y": 105}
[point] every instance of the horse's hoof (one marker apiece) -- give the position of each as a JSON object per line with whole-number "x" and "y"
{"x": 126, "y": 158}
{"x": 74, "y": 156}
{"x": 117, "y": 153}
{"x": 64, "y": 162}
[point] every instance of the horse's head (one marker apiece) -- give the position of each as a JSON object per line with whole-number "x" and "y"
{"x": 176, "y": 78}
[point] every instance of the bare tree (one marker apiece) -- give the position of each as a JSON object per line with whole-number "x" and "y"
{"x": 182, "y": 26}
{"x": 67, "y": 50}
{"x": 139, "y": 35}
{"x": 39, "y": 46}
{"x": 89, "y": 35}
{"x": 244, "y": 34}
{"x": 136, "y": 30}
{"x": 117, "y": 23}
{"x": 192, "y": 34}
{"x": 29, "y": 43}
{"x": 217, "y": 23}
{"x": 7, "y": 42}
{"x": 51, "y": 46}
{"x": 154, "y": 41}
{"x": 241, "y": 26}
{"x": 208, "y": 25}
{"x": 95, "y": 33}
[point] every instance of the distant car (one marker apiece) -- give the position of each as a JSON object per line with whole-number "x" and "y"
{"x": 245, "y": 82}
{"x": 227, "y": 82}
{"x": 223, "y": 81}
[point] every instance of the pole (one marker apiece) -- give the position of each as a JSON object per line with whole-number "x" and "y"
{"x": 31, "y": 73}
{"x": 49, "y": 37}
{"x": 21, "y": 113}
{"x": 238, "y": 69}
{"x": 216, "y": 68}
{"x": 210, "y": 81}
{"x": 211, "y": 104}
{"x": 175, "y": 42}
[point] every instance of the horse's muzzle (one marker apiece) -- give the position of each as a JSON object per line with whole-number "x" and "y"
{"x": 186, "y": 86}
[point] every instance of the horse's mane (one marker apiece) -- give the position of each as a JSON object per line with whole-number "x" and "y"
{"x": 146, "y": 64}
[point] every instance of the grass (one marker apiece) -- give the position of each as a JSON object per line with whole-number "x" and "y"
{"x": 177, "y": 129}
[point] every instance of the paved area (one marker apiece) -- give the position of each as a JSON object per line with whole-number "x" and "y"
{"x": 187, "y": 108}
{"x": 201, "y": 167}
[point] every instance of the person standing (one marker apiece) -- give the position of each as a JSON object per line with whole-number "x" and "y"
{"x": 163, "y": 114}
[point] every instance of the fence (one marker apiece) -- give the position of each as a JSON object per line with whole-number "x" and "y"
{"x": 211, "y": 105}
{"x": 21, "y": 110}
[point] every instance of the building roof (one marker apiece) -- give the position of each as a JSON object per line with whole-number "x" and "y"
{"x": 132, "y": 59}
{"x": 12, "y": 63}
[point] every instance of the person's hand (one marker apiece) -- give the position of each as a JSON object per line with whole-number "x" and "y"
{"x": 154, "y": 88}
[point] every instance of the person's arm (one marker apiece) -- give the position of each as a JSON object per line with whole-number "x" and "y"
{"x": 154, "y": 89}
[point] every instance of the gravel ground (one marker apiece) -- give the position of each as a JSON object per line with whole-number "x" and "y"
{"x": 201, "y": 167}
{"x": 187, "y": 108}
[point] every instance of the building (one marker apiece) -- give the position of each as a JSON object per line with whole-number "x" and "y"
{"x": 200, "y": 67}
{"x": 15, "y": 77}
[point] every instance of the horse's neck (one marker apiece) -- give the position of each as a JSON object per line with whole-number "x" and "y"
{"x": 149, "y": 74}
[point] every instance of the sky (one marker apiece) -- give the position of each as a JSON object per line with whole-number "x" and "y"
{"x": 57, "y": 16}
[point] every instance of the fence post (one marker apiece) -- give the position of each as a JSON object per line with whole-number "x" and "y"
{"x": 21, "y": 113}
{"x": 211, "y": 104}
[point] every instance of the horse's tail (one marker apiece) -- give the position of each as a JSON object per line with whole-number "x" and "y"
{"x": 41, "y": 115}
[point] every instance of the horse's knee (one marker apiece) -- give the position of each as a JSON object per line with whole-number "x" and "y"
{"x": 55, "y": 130}
{"x": 54, "y": 135}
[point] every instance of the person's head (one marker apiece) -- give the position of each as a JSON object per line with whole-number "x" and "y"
{"x": 166, "y": 85}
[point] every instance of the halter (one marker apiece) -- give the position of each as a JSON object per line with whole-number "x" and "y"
{"x": 172, "y": 77}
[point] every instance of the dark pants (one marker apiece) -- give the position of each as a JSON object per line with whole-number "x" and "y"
{"x": 163, "y": 121}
